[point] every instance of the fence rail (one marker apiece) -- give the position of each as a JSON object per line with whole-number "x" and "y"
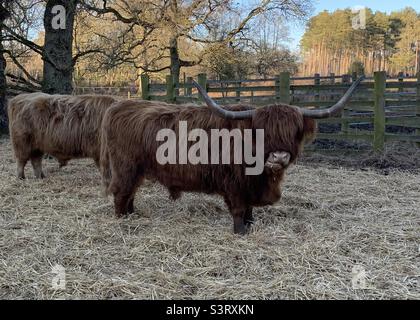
{"x": 378, "y": 104}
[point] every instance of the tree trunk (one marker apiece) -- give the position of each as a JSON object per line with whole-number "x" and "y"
{"x": 57, "y": 55}
{"x": 3, "y": 86}
{"x": 175, "y": 60}
{"x": 173, "y": 49}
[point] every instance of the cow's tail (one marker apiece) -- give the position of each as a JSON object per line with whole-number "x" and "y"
{"x": 309, "y": 129}
{"x": 14, "y": 106}
{"x": 12, "y": 109}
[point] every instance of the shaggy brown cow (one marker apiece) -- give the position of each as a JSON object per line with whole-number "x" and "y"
{"x": 129, "y": 148}
{"x": 63, "y": 126}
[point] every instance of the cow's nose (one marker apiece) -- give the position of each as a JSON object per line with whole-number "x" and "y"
{"x": 282, "y": 157}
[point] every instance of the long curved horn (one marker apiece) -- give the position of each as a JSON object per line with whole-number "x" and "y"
{"x": 315, "y": 114}
{"x": 227, "y": 114}
{"x": 326, "y": 113}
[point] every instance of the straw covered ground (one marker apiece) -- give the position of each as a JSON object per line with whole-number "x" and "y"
{"x": 339, "y": 232}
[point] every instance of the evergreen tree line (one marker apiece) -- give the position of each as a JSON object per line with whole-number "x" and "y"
{"x": 389, "y": 42}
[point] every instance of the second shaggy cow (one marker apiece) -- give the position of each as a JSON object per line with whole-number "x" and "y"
{"x": 63, "y": 126}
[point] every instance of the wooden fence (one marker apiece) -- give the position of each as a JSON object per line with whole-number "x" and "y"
{"x": 378, "y": 105}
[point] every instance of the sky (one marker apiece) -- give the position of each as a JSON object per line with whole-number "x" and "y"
{"x": 296, "y": 31}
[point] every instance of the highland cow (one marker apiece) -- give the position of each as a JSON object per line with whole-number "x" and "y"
{"x": 129, "y": 148}
{"x": 63, "y": 126}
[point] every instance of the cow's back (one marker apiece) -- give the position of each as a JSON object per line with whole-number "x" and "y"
{"x": 64, "y": 126}
{"x": 130, "y": 131}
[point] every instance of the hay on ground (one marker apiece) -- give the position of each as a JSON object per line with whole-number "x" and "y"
{"x": 337, "y": 233}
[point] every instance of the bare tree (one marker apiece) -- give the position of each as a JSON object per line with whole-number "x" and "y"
{"x": 56, "y": 51}
{"x": 23, "y": 19}
{"x": 168, "y": 24}
{"x": 4, "y": 13}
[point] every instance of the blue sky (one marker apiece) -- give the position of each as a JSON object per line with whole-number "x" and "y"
{"x": 296, "y": 31}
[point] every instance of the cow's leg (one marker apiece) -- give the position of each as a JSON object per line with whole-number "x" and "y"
{"x": 139, "y": 180}
{"x": 121, "y": 204}
{"x": 21, "y": 163}
{"x": 22, "y": 155}
{"x": 36, "y": 160}
{"x": 248, "y": 217}
{"x": 237, "y": 210}
{"x": 97, "y": 162}
{"x": 238, "y": 215}
{"x": 124, "y": 185}
{"x": 21, "y": 142}
{"x": 130, "y": 207}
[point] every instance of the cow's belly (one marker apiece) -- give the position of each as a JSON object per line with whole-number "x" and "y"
{"x": 270, "y": 196}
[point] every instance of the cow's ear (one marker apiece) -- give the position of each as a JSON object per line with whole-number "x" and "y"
{"x": 309, "y": 129}
{"x": 260, "y": 119}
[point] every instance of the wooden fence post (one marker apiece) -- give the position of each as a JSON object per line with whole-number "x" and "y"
{"x": 238, "y": 92}
{"x": 344, "y": 122}
{"x": 346, "y": 78}
{"x": 317, "y": 82}
{"x": 184, "y": 76}
{"x": 401, "y": 81}
{"x": 170, "y": 88}
{"x": 277, "y": 87}
{"x": 332, "y": 97}
{"x": 284, "y": 84}
{"x": 189, "y": 86}
{"x": 418, "y": 106}
{"x": 332, "y": 76}
{"x": 145, "y": 87}
{"x": 379, "y": 111}
{"x": 202, "y": 81}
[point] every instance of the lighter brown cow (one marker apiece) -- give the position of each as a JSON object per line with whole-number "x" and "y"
{"x": 63, "y": 126}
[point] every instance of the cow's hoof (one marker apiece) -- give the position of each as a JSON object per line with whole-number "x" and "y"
{"x": 120, "y": 215}
{"x": 40, "y": 176}
{"x": 62, "y": 163}
{"x": 130, "y": 208}
{"x": 240, "y": 230}
{"x": 248, "y": 223}
{"x": 174, "y": 193}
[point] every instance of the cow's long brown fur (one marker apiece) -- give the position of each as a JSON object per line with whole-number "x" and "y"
{"x": 129, "y": 154}
{"x": 63, "y": 126}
